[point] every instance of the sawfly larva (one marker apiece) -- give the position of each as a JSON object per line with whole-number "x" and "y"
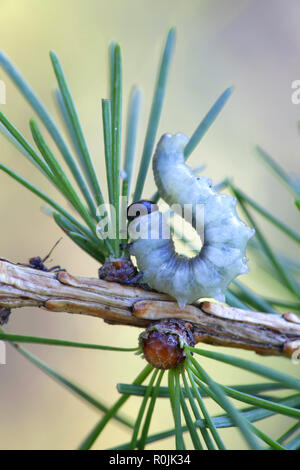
{"x": 222, "y": 255}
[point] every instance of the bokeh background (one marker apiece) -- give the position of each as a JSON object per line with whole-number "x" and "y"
{"x": 252, "y": 45}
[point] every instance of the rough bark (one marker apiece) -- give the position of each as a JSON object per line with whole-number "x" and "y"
{"x": 213, "y": 323}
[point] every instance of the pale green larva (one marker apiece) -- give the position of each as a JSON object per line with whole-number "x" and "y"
{"x": 222, "y": 256}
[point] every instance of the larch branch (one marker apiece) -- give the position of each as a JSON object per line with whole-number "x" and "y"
{"x": 213, "y": 323}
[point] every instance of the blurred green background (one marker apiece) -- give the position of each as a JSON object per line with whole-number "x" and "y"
{"x": 252, "y": 45}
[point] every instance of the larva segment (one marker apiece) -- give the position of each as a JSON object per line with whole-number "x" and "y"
{"x": 222, "y": 256}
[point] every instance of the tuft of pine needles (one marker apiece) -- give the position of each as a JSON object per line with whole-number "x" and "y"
{"x": 189, "y": 388}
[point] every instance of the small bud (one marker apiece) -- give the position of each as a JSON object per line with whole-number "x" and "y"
{"x": 163, "y": 343}
{"x": 117, "y": 270}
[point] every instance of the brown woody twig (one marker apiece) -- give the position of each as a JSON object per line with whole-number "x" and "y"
{"x": 213, "y": 323}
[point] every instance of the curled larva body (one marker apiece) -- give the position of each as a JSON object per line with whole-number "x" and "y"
{"x": 222, "y": 256}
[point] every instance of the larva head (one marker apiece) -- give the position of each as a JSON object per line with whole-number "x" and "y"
{"x": 140, "y": 208}
{"x": 163, "y": 343}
